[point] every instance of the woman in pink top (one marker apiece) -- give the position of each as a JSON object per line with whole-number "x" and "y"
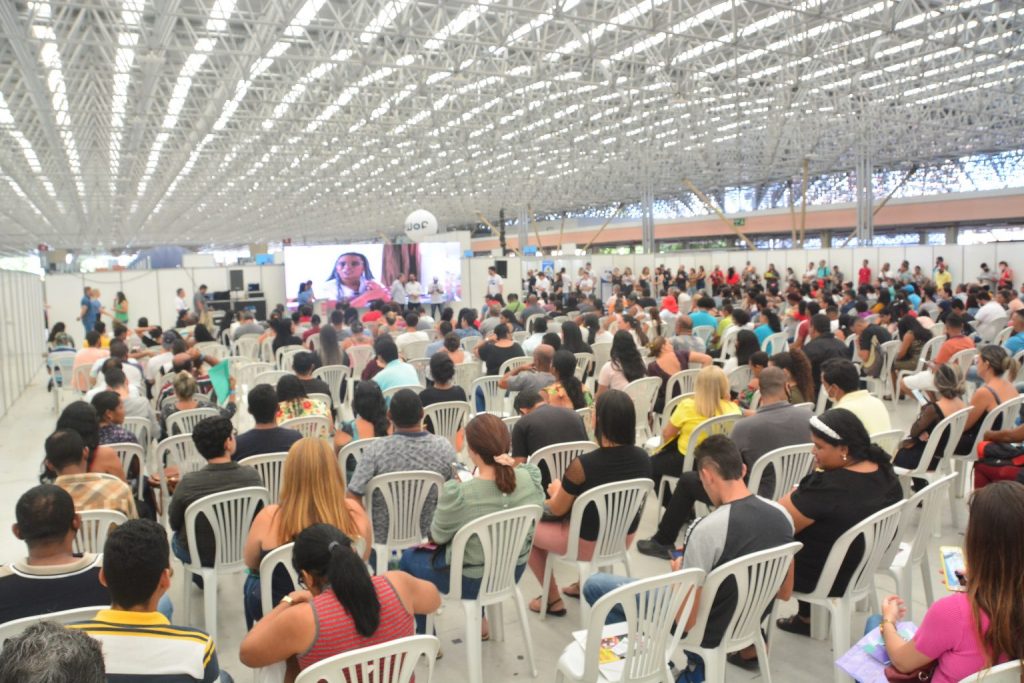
{"x": 343, "y": 608}
{"x": 967, "y": 632}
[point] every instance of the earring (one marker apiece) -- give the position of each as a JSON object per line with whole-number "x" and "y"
{"x": 845, "y": 458}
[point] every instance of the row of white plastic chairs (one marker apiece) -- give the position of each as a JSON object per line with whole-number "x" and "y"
{"x": 758, "y": 576}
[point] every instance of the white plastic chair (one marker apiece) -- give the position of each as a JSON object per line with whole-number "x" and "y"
{"x": 184, "y": 421}
{"x": 214, "y": 349}
{"x": 1010, "y": 672}
{"x": 586, "y": 414}
{"x": 643, "y": 392}
{"x": 739, "y": 377}
{"x": 889, "y": 440}
{"x": 267, "y": 350}
{"x": 928, "y": 352}
{"x": 270, "y": 467}
{"x": 414, "y": 349}
{"x": 284, "y": 354}
{"x": 666, "y": 414}
{"x": 682, "y": 382}
{"x": 391, "y": 391}
{"x": 914, "y": 551}
{"x": 952, "y": 427}
{"x": 466, "y": 373}
{"x": 391, "y": 662}
{"x": 15, "y": 627}
{"x": 334, "y": 375}
{"x": 823, "y": 400}
{"x": 650, "y": 607}
{"x": 502, "y": 536}
{"x": 404, "y": 495}
{"x": 513, "y": 363}
{"x": 422, "y": 367}
{"x": 132, "y": 454}
{"x": 81, "y": 379}
{"x": 584, "y": 363}
{"x": 317, "y": 426}
{"x": 720, "y": 424}
{"x": 247, "y": 346}
{"x": 447, "y": 418}
{"x": 881, "y": 386}
{"x": 247, "y": 373}
{"x": 789, "y": 464}
{"x": 279, "y": 556}
{"x": 775, "y": 343}
{"x": 617, "y": 505}
{"x": 602, "y": 354}
{"x": 354, "y": 450}
{"x": 141, "y": 427}
{"x": 1006, "y": 414}
{"x": 269, "y": 377}
{"x": 62, "y": 363}
{"x": 358, "y": 357}
{"x": 705, "y": 332}
{"x": 511, "y": 421}
{"x": 323, "y": 398}
{"x": 728, "y": 344}
{"x": 557, "y": 457}
{"x": 96, "y": 524}
{"x": 177, "y": 451}
{"x": 963, "y": 360}
{"x": 757, "y": 578}
{"x": 879, "y": 532}
{"x": 494, "y": 396}
{"x": 1003, "y": 334}
{"x": 229, "y": 513}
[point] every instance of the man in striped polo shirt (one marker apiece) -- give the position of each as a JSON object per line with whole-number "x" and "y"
{"x": 140, "y": 644}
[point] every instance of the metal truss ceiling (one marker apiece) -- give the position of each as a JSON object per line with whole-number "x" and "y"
{"x": 221, "y": 122}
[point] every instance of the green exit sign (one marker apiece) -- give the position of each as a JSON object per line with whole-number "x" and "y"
{"x": 739, "y": 222}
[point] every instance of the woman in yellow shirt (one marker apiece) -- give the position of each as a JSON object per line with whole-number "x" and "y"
{"x": 710, "y": 399}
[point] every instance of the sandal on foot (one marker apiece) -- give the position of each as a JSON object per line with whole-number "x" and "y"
{"x": 572, "y": 590}
{"x": 794, "y": 624}
{"x": 550, "y": 612}
{"x": 736, "y": 659}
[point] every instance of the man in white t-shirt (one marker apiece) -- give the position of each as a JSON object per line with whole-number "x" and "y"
{"x": 987, "y": 320}
{"x": 495, "y": 284}
{"x": 586, "y": 284}
{"x": 398, "y": 294}
{"x": 543, "y": 285}
{"x": 413, "y": 291}
{"x": 180, "y": 304}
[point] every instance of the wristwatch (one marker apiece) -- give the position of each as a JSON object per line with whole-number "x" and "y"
{"x": 287, "y": 600}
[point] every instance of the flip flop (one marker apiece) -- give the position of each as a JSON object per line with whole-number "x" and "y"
{"x": 572, "y": 591}
{"x": 551, "y": 612}
{"x": 736, "y": 659}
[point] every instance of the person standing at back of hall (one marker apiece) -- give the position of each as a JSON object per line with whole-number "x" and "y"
{"x": 398, "y": 294}
{"x": 495, "y": 285}
{"x": 88, "y": 315}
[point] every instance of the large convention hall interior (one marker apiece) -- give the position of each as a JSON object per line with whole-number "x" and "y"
{"x": 504, "y": 340}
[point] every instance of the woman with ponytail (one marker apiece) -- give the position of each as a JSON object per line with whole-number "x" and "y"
{"x": 854, "y": 479}
{"x": 342, "y": 608}
{"x": 497, "y": 485}
{"x": 997, "y": 369}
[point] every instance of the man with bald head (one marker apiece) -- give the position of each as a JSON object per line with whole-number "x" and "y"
{"x": 777, "y": 423}
{"x": 535, "y": 375}
{"x": 685, "y": 339}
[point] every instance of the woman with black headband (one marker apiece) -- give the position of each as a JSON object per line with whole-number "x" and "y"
{"x": 854, "y": 480}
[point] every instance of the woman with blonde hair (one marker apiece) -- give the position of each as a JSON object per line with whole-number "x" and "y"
{"x": 185, "y": 392}
{"x": 710, "y": 398}
{"x": 312, "y": 492}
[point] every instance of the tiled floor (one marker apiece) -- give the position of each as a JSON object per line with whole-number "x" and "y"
{"x": 793, "y": 659}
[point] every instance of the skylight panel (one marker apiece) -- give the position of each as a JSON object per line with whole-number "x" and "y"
{"x": 383, "y": 20}
{"x": 458, "y": 24}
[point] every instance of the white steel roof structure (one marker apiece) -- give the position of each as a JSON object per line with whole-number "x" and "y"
{"x": 141, "y": 122}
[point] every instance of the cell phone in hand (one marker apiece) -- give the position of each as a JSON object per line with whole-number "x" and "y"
{"x": 953, "y": 568}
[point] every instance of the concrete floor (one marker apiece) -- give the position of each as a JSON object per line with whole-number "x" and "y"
{"x": 793, "y": 659}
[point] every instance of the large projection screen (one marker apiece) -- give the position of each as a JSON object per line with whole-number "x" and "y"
{"x": 363, "y": 273}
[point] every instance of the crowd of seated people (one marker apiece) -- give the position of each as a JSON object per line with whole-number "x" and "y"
{"x": 655, "y": 324}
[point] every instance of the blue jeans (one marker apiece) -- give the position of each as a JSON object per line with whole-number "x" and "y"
{"x": 423, "y": 564}
{"x": 180, "y": 550}
{"x": 599, "y": 585}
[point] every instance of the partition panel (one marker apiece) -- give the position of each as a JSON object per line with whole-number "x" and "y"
{"x": 22, "y": 333}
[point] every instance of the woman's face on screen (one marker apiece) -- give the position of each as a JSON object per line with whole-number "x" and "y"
{"x": 349, "y": 269}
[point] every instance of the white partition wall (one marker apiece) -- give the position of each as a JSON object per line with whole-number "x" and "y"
{"x": 22, "y": 333}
